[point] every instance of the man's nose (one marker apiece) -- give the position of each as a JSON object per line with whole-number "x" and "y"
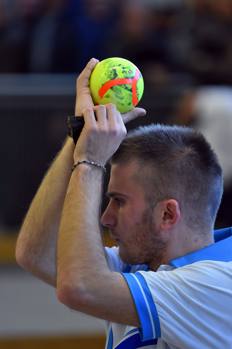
{"x": 108, "y": 218}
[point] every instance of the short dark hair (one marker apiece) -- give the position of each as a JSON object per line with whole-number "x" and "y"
{"x": 176, "y": 162}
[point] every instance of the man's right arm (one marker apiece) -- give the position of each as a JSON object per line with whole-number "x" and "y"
{"x": 36, "y": 244}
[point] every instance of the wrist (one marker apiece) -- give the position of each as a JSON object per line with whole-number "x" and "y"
{"x": 89, "y": 163}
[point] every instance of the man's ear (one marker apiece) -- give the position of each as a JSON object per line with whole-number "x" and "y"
{"x": 169, "y": 213}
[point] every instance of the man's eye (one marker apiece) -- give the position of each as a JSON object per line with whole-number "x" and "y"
{"x": 119, "y": 201}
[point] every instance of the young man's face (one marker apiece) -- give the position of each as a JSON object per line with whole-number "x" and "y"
{"x": 130, "y": 218}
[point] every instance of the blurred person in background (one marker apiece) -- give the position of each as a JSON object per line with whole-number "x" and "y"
{"x": 153, "y": 34}
{"x": 38, "y": 38}
{"x": 95, "y": 27}
{"x": 209, "y": 55}
{"x": 56, "y": 36}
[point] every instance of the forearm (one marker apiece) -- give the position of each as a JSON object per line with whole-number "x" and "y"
{"x": 36, "y": 245}
{"x": 81, "y": 259}
{"x": 84, "y": 281}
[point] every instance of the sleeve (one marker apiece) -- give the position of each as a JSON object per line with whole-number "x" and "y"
{"x": 145, "y": 305}
{"x": 184, "y": 307}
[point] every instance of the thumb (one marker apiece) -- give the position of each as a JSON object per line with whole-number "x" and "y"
{"x": 83, "y": 79}
{"x": 133, "y": 114}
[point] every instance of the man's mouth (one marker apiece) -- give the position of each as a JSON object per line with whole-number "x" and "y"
{"x": 114, "y": 236}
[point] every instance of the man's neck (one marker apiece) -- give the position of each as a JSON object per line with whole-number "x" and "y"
{"x": 181, "y": 249}
{"x": 189, "y": 246}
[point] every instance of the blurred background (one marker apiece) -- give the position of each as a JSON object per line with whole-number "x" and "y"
{"x": 184, "y": 50}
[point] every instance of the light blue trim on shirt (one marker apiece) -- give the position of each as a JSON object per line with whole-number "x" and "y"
{"x": 144, "y": 305}
{"x": 221, "y": 250}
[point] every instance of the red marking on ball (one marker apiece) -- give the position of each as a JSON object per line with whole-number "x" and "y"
{"x": 122, "y": 81}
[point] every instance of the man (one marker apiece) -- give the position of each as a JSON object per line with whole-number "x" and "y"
{"x": 167, "y": 284}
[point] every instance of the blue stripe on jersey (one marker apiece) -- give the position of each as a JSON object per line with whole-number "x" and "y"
{"x": 151, "y": 303}
{"x": 134, "y": 342}
{"x": 219, "y": 251}
{"x": 110, "y": 339}
{"x": 143, "y": 307}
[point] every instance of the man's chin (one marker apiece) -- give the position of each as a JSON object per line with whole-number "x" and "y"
{"x": 127, "y": 259}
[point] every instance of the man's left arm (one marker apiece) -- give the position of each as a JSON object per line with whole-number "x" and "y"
{"x": 84, "y": 281}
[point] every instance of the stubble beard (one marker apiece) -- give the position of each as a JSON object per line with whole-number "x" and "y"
{"x": 148, "y": 246}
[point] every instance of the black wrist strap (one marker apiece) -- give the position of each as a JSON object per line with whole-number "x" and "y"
{"x": 75, "y": 125}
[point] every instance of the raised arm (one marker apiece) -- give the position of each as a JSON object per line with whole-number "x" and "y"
{"x": 83, "y": 276}
{"x": 36, "y": 244}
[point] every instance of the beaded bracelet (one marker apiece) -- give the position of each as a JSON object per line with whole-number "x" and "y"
{"x": 89, "y": 162}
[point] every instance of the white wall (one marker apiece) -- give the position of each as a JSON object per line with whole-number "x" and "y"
{"x": 29, "y": 307}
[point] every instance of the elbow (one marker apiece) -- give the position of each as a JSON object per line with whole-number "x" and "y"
{"x": 74, "y": 296}
{"x": 22, "y": 255}
{"x": 23, "y": 261}
{"x": 67, "y": 296}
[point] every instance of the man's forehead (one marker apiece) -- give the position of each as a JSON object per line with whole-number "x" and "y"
{"x": 121, "y": 173}
{"x": 133, "y": 168}
{"x": 126, "y": 176}
{"x": 124, "y": 169}
{"x": 124, "y": 180}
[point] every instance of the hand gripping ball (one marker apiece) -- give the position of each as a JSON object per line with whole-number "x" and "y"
{"x": 118, "y": 81}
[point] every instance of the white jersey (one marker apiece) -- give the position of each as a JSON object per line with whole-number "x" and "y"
{"x": 184, "y": 305}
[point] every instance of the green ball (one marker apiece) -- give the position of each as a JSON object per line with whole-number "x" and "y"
{"x": 118, "y": 81}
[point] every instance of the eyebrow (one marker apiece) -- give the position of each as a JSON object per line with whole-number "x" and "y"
{"x": 112, "y": 194}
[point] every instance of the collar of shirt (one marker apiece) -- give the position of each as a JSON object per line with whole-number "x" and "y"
{"x": 221, "y": 250}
